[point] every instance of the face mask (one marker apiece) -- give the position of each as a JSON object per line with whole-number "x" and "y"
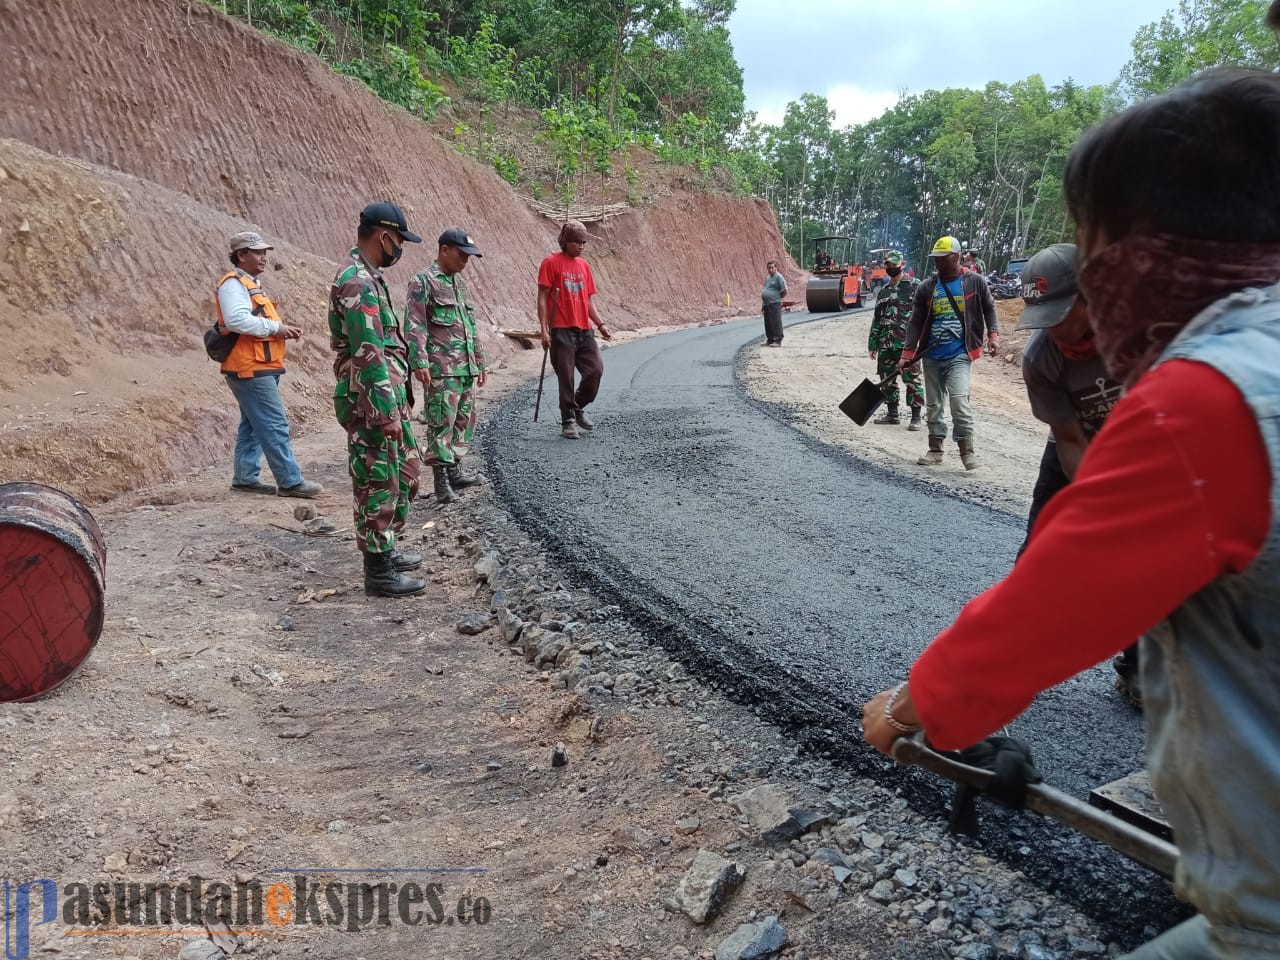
{"x": 389, "y": 258}
{"x": 1144, "y": 288}
{"x": 893, "y": 271}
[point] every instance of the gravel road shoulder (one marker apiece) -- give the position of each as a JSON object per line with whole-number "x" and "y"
{"x": 820, "y": 362}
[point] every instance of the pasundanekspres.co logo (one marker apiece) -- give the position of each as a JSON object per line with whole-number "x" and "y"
{"x": 428, "y": 898}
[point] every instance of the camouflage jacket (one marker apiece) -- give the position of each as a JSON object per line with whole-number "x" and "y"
{"x": 892, "y": 313}
{"x": 371, "y": 363}
{"x": 442, "y": 326}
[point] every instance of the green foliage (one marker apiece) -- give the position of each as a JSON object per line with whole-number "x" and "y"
{"x": 507, "y": 167}
{"x": 1202, "y": 34}
{"x": 395, "y": 75}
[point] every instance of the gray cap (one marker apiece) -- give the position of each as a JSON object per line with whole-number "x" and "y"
{"x": 248, "y": 240}
{"x": 1048, "y": 287}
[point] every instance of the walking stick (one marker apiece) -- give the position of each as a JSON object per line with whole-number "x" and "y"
{"x": 538, "y": 403}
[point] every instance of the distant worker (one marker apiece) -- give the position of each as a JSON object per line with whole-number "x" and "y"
{"x": 448, "y": 360}
{"x": 566, "y": 311}
{"x": 951, "y": 311}
{"x": 1070, "y": 391}
{"x": 888, "y": 335}
{"x": 775, "y": 288}
{"x": 821, "y": 261}
{"x": 371, "y": 399}
{"x": 253, "y": 368}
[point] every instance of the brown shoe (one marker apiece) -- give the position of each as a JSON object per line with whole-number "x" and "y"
{"x": 934, "y": 457}
{"x": 569, "y": 431}
{"x": 307, "y": 489}
{"x": 254, "y": 487}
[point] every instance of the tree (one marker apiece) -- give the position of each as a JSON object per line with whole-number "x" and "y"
{"x": 1202, "y": 34}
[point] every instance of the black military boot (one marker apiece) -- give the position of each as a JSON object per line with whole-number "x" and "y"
{"x": 915, "y": 423}
{"x": 459, "y": 480}
{"x": 444, "y": 492}
{"x": 889, "y": 416}
{"x": 405, "y": 561}
{"x": 382, "y": 579}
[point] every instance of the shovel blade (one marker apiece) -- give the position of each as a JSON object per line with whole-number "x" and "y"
{"x": 862, "y": 402}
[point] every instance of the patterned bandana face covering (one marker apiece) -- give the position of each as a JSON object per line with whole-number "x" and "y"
{"x": 1142, "y": 290}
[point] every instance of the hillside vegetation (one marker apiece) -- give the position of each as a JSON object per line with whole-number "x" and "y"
{"x": 604, "y": 77}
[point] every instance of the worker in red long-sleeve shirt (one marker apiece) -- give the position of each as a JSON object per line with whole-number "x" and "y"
{"x": 1169, "y": 528}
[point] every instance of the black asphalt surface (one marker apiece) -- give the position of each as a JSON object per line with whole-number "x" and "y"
{"x": 795, "y": 576}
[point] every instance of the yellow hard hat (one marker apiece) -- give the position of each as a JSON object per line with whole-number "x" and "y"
{"x": 945, "y": 246}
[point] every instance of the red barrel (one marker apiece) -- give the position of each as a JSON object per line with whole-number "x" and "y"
{"x": 53, "y": 568}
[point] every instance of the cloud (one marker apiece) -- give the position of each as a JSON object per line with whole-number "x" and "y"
{"x": 855, "y": 52}
{"x": 854, "y": 105}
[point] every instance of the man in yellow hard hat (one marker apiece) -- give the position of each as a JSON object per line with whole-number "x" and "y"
{"x": 949, "y": 316}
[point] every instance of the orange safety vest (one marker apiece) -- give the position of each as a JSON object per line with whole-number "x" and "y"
{"x": 252, "y": 356}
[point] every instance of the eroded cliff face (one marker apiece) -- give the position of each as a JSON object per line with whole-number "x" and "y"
{"x": 130, "y": 154}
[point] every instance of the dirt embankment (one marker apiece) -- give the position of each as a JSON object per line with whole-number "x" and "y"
{"x": 150, "y": 131}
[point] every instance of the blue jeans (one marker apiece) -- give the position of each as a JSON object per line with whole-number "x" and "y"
{"x": 264, "y": 428}
{"x": 946, "y": 382}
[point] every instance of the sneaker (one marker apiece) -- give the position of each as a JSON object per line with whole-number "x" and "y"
{"x": 307, "y": 489}
{"x": 584, "y": 422}
{"x": 255, "y": 487}
{"x": 568, "y": 430}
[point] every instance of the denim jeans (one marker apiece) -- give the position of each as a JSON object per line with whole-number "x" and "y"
{"x": 948, "y": 380}
{"x": 264, "y": 428}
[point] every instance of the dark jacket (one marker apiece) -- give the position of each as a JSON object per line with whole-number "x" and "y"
{"x": 979, "y": 316}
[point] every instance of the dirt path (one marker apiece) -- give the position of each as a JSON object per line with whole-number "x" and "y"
{"x": 821, "y": 362}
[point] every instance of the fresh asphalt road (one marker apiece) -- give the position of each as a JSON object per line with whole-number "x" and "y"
{"x": 795, "y": 575}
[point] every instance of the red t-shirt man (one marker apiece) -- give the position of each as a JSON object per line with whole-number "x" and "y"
{"x": 566, "y": 311}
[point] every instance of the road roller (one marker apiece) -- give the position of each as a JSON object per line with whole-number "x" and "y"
{"x": 836, "y": 281}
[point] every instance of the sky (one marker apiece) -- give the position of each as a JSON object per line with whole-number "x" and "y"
{"x": 862, "y": 54}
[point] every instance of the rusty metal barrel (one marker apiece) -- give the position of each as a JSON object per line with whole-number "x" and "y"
{"x": 53, "y": 568}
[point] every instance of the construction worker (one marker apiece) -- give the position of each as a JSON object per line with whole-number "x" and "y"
{"x": 566, "y": 311}
{"x": 446, "y": 356}
{"x": 775, "y": 288}
{"x": 371, "y": 399}
{"x": 1070, "y": 391}
{"x": 1170, "y": 529}
{"x": 253, "y": 367}
{"x": 888, "y": 334}
{"x": 950, "y": 313}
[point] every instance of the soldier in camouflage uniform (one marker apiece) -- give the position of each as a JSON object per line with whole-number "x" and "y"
{"x": 445, "y": 354}
{"x": 888, "y": 335}
{"x": 372, "y": 399}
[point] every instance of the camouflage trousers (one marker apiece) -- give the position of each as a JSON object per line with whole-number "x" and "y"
{"x": 384, "y": 480}
{"x": 451, "y": 420}
{"x": 887, "y": 363}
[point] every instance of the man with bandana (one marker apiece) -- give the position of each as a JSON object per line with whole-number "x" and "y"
{"x": 888, "y": 335}
{"x": 371, "y": 399}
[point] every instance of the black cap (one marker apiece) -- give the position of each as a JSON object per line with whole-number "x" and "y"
{"x": 457, "y": 237}
{"x": 385, "y": 214}
{"x": 1048, "y": 287}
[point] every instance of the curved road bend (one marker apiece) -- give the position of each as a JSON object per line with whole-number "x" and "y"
{"x": 795, "y": 575}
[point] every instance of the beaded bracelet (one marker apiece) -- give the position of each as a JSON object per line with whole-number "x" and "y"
{"x": 894, "y": 721}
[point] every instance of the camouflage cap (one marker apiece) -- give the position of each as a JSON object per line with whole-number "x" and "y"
{"x": 248, "y": 240}
{"x": 895, "y": 257}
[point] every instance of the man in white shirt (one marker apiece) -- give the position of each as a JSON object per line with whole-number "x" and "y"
{"x": 253, "y": 366}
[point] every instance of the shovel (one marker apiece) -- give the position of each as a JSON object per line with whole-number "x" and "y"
{"x": 1136, "y": 844}
{"x": 867, "y": 397}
